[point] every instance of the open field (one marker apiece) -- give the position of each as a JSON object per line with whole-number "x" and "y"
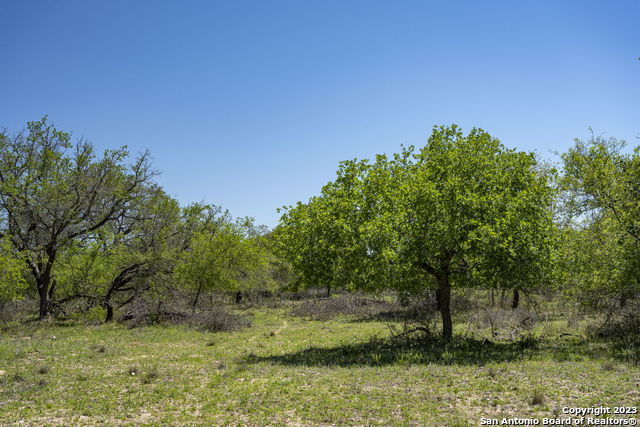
{"x": 295, "y": 371}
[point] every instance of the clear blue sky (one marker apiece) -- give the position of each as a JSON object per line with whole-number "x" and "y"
{"x": 251, "y": 105}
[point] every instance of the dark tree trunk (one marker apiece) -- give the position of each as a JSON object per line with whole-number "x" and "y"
{"x": 42, "y": 283}
{"x": 238, "y": 297}
{"x": 328, "y": 291}
{"x": 52, "y": 289}
{"x": 444, "y": 301}
{"x": 109, "y": 308}
{"x": 516, "y": 299}
{"x": 42, "y": 274}
{"x": 117, "y": 285}
{"x": 437, "y": 293}
{"x": 623, "y": 299}
{"x": 195, "y": 300}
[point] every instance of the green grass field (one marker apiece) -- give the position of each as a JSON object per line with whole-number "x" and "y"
{"x": 287, "y": 370}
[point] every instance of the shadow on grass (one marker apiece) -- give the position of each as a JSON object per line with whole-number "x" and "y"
{"x": 460, "y": 351}
{"x": 401, "y": 315}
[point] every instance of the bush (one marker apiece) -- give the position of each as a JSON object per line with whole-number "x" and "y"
{"x": 623, "y": 332}
{"x": 347, "y": 304}
{"x": 216, "y": 319}
{"x": 504, "y": 323}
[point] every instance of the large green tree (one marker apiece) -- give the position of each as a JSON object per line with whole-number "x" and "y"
{"x": 462, "y": 211}
{"x": 54, "y": 193}
{"x": 602, "y": 183}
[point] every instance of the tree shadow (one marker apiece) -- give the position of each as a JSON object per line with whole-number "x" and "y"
{"x": 381, "y": 352}
{"x": 391, "y": 316}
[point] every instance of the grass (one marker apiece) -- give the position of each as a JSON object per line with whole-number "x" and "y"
{"x": 294, "y": 371}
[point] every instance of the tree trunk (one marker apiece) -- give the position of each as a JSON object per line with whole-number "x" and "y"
{"x": 437, "y": 299}
{"x": 195, "y": 300}
{"x": 42, "y": 283}
{"x": 238, "y": 297}
{"x": 516, "y": 299}
{"x": 109, "y": 308}
{"x": 52, "y": 289}
{"x": 42, "y": 274}
{"x": 623, "y": 299}
{"x": 444, "y": 301}
{"x": 328, "y": 291}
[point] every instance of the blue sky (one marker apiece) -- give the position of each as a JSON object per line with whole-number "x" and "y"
{"x": 251, "y": 105}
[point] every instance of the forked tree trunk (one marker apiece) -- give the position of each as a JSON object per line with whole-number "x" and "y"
{"x": 42, "y": 275}
{"x": 516, "y": 299}
{"x": 444, "y": 302}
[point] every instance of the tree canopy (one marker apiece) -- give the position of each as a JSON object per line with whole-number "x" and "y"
{"x": 461, "y": 211}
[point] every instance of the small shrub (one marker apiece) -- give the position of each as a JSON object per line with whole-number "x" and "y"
{"x": 537, "y": 398}
{"x": 528, "y": 341}
{"x": 149, "y": 376}
{"x": 503, "y": 323}
{"x": 492, "y": 372}
{"x": 43, "y": 370}
{"x": 133, "y": 371}
{"x": 99, "y": 348}
{"x": 623, "y": 332}
{"x": 608, "y": 366}
{"x": 218, "y": 320}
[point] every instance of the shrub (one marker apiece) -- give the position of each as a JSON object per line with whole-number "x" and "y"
{"x": 347, "y": 304}
{"x": 215, "y": 319}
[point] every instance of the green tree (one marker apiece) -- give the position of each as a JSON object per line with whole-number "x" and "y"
{"x": 54, "y": 192}
{"x": 462, "y": 211}
{"x": 126, "y": 257}
{"x": 224, "y": 257}
{"x": 602, "y": 203}
{"x": 598, "y": 261}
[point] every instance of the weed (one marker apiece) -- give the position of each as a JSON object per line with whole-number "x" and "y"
{"x": 492, "y": 372}
{"x": 608, "y": 366}
{"x": 150, "y": 375}
{"x": 537, "y": 398}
